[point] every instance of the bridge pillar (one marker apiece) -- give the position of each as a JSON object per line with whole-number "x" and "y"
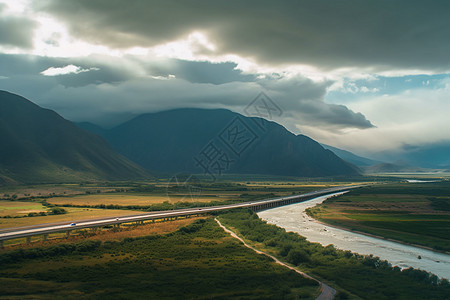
{"x": 1, "y": 244}
{"x": 67, "y": 233}
{"x": 45, "y": 237}
{"x": 28, "y": 239}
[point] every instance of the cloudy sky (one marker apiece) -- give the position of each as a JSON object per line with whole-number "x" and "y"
{"x": 366, "y": 76}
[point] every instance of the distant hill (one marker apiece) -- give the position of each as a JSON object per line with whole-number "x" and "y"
{"x": 171, "y": 141}
{"x": 436, "y": 155}
{"x": 38, "y": 145}
{"x": 351, "y": 157}
{"x": 431, "y": 156}
{"x": 392, "y": 168}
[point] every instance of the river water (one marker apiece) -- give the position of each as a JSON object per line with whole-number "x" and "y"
{"x": 294, "y": 218}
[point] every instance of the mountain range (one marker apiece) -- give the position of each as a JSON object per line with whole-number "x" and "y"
{"x": 38, "y": 145}
{"x": 216, "y": 141}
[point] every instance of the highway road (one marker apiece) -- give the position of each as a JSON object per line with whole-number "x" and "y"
{"x": 19, "y": 232}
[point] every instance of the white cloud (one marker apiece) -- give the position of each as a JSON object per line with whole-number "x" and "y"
{"x": 69, "y": 69}
{"x": 412, "y": 117}
{"x": 171, "y": 76}
{"x": 365, "y": 89}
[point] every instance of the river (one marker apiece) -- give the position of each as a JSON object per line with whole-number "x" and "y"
{"x": 294, "y": 218}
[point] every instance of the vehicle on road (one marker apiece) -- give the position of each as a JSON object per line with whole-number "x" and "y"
{"x": 73, "y": 224}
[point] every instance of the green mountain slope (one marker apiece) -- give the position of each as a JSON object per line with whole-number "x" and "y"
{"x": 38, "y": 145}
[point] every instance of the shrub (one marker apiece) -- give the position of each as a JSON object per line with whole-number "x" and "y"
{"x": 57, "y": 211}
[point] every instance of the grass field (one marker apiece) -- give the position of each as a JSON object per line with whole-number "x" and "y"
{"x": 412, "y": 213}
{"x": 126, "y": 199}
{"x": 101, "y": 234}
{"x": 46, "y": 190}
{"x": 199, "y": 261}
{"x": 19, "y": 208}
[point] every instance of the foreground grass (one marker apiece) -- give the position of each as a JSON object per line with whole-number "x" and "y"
{"x": 197, "y": 261}
{"x": 351, "y": 274}
{"x": 411, "y": 213}
{"x": 101, "y": 234}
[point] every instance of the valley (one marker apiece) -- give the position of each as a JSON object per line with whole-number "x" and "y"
{"x": 224, "y": 149}
{"x": 108, "y": 174}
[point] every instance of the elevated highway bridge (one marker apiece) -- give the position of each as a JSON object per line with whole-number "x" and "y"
{"x": 46, "y": 229}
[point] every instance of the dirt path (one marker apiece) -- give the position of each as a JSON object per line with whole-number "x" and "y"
{"x": 327, "y": 292}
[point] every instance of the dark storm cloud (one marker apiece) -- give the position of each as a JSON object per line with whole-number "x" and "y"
{"x": 109, "y": 93}
{"x": 303, "y": 101}
{"x": 381, "y": 34}
{"x": 16, "y": 31}
{"x": 332, "y": 116}
{"x": 200, "y": 71}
